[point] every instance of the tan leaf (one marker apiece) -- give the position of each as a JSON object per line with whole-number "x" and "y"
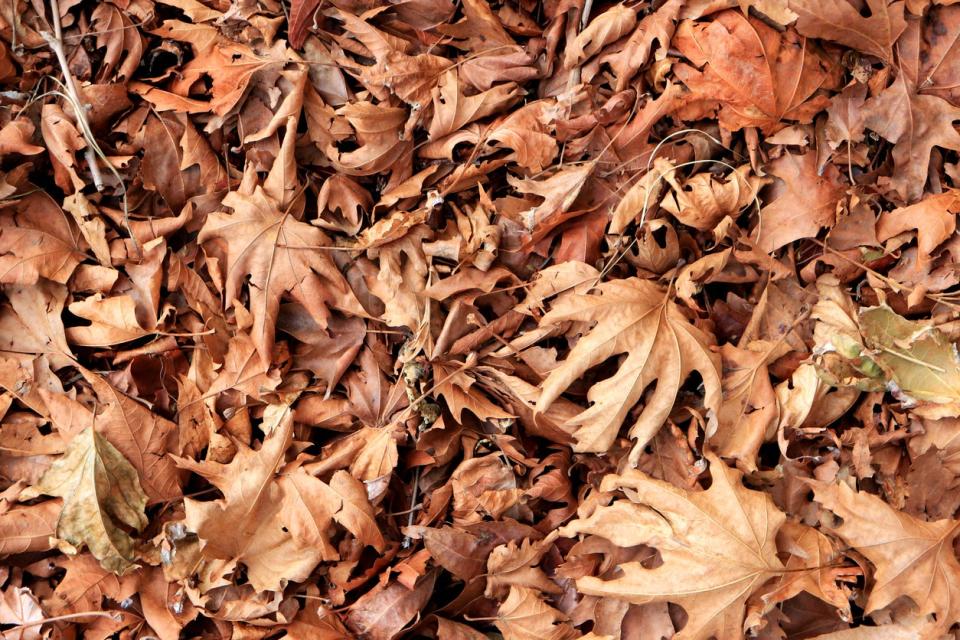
{"x": 718, "y": 547}
{"x": 101, "y": 495}
{"x": 246, "y": 525}
{"x": 525, "y": 616}
{"x": 635, "y": 318}
{"x": 912, "y": 557}
{"x": 609, "y": 26}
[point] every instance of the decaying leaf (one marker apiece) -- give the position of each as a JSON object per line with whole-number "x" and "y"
{"x": 327, "y": 320}
{"x": 101, "y": 498}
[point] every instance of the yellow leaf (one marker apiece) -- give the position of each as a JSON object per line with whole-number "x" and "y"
{"x": 101, "y": 495}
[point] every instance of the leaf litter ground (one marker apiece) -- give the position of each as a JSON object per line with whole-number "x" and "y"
{"x": 461, "y": 320}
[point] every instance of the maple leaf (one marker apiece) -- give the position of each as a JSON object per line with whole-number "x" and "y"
{"x": 278, "y": 254}
{"x": 101, "y": 495}
{"x": 718, "y": 547}
{"x": 636, "y": 318}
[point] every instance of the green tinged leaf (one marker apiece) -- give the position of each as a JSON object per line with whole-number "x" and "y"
{"x": 919, "y": 358}
{"x": 102, "y": 497}
{"x": 876, "y": 349}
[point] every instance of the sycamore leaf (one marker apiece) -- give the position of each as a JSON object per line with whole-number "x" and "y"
{"x": 757, "y": 76}
{"x": 877, "y": 349}
{"x": 280, "y": 255}
{"x": 641, "y": 198}
{"x": 28, "y": 528}
{"x": 635, "y": 318}
{"x": 246, "y": 525}
{"x": 381, "y": 614}
{"x": 101, "y": 496}
{"x": 750, "y": 406}
{"x": 18, "y": 606}
{"x": 703, "y": 200}
{"x": 802, "y": 201}
{"x": 143, "y": 437}
{"x": 37, "y": 241}
{"x": 933, "y": 218}
{"x": 452, "y": 109}
{"x": 912, "y": 557}
{"x": 657, "y": 27}
{"x": 718, "y": 547}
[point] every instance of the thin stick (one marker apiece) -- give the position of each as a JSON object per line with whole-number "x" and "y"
{"x": 72, "y": 95}
{"x": 56, "y": 45}
{"x": 69, "y": 616}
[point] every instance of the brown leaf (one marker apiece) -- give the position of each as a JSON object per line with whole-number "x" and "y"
{"x": 915, "y": 124}
{"x": 758, "y": 76}
{"x": 278, "y": 254}
{"x": 841, "y": 22}
{"x": 382, "y": 614}
{"x": 912, "y": 558}
{"x": 802, "y": 201}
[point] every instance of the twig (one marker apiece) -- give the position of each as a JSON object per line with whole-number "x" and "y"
{"x": 55, "y": 42}
{"x": 69, "y": 616}
{"x": 72, "y": 95}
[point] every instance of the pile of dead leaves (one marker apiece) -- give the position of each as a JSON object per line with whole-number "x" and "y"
{"x": 479, "y": 319}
